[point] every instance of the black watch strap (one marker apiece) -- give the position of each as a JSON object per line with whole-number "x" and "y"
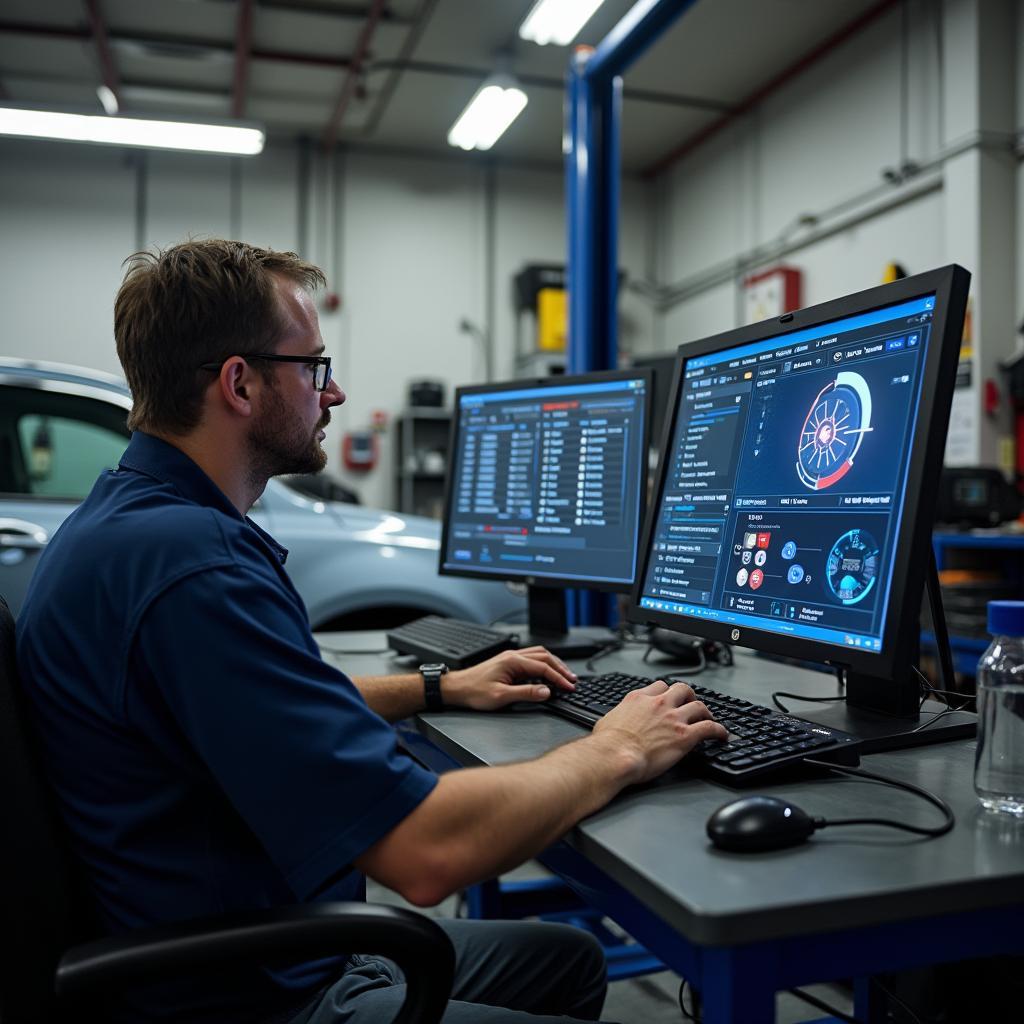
{"x": 432, "y": 674}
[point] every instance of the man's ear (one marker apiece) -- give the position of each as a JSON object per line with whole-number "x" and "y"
{"x": 237, "y": 385}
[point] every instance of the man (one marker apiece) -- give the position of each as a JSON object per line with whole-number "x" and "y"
{"x": 206, "y": 758}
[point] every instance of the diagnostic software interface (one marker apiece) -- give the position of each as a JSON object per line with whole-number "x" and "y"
{"x": 547, "y": 481}
{"x": 783, "y": 491}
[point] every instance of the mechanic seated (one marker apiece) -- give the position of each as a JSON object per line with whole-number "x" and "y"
{"x": 207, "y": 760}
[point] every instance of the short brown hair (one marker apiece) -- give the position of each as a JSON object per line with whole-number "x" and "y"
{"x": 197, "y": 302}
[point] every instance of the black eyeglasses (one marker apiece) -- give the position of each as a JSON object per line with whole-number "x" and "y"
{"x": 320, "y": 366}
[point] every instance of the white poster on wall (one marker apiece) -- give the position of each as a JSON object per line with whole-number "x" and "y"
{"x": 962, "y": 439}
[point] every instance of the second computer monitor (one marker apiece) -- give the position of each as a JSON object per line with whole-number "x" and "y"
{"x": 546, "y": 485}
{"x": 794, "y": 500}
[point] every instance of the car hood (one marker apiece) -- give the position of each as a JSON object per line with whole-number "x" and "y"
{"x": 375, "y": 526}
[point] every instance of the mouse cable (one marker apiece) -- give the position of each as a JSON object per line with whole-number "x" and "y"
{"x": 933, "y": 831}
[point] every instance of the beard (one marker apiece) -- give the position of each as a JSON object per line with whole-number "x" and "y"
{"x": 279, "y": 444}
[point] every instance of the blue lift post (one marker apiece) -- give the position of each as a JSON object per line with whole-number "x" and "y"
{"x": 592, "y": 175}
{"x": 592, "y": 199}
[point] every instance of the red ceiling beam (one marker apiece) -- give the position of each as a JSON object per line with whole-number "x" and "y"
{"x": 243, "y": 41}
{"x": 99, "y": 35}
{"x": 282, "y": 56}
{"x": 749, "y": 102}
{"x": 356, "y": 62}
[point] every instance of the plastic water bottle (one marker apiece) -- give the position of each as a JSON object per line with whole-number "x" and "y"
{"x": 999, "y": 763}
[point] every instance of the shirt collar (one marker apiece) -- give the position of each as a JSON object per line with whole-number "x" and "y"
{"x": 170, "y": 465}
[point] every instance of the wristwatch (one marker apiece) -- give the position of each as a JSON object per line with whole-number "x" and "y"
{"x": 432, "y": 673}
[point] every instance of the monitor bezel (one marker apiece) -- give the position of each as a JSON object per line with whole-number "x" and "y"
{"x": 559, "y": 380}
{"x": 900, "y": 632}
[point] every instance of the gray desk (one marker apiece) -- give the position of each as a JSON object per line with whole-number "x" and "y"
{"x": 851, "y": 902}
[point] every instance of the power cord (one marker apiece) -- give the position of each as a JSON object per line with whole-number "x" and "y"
{"x": 799, "y": 696}
{"x": 921, "y": 830}
{"x": 694, "y": 1013}
{"x": 691, "y": 670}
{"x": 610, "y": 648}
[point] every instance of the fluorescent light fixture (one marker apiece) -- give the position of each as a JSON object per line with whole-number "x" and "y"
{"x": 494, "y": 106}
{"x": 237, "y": 140}
{"x": 108, "y": 98}
{"x": 557, "y": 21}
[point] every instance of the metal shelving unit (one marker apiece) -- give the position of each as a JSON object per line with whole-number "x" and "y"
{"x": 1006, "y": 552}
{"x": 421, "y": 459}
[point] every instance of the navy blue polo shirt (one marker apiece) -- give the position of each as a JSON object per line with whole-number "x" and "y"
{"x": 205, "y": 757}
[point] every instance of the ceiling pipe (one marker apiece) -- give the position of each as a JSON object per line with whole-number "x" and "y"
{"x": 348, "y": 87}
{"x": 243, "y": 40}
{"x": 98, "y": 30}
{"x": 542, "y": 82}
{"x": 756, "y": 97}
{"x": 76, "y": 35}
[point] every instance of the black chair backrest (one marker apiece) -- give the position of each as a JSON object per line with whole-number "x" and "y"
{"x": 39, "y": 901}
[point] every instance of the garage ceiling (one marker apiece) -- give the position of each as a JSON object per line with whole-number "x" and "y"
{"x": 395, "y": 74}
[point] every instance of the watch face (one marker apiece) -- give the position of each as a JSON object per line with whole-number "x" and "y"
{"x": 434, "y": 666}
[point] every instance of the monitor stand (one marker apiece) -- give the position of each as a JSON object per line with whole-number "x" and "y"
{"x": 548, "y": 626}
{"x": 884, "y": 713}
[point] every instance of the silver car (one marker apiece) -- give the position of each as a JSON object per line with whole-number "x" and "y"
{"x": 355, "y": 567}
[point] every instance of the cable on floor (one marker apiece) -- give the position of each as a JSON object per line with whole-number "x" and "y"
{"x": 820, "y": 1004}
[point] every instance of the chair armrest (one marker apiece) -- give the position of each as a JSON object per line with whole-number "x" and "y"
{"x": 417, "y": 944}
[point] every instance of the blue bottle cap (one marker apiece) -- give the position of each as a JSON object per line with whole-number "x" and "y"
{"x": 1006, "y": 618}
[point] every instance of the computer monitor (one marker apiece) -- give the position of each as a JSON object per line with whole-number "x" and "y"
{"x": 663, "y": 367}
{"x": 793, "y": 506}
{"x": 545, "y": 487}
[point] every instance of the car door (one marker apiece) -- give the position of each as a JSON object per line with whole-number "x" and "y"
{"x": 55, "y": 440}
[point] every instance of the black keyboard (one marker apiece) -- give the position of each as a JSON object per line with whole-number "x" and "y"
{"x": 458, "y": 644}
{"x": 760, "y": 739}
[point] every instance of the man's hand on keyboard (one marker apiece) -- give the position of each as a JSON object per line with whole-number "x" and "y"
{"x": 531, "y": 674}
{"x": 660, "y": 724}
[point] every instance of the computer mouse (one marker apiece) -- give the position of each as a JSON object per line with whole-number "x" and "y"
{"x": 755, "y": 823}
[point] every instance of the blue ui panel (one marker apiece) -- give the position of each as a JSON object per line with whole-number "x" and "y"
{"x": 787, "y": 476}
{"x": 548, "y": 483}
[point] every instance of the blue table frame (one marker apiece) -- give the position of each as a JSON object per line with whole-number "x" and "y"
{"x": 978, "y": 906}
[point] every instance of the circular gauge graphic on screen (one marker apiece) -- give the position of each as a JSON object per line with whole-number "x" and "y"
{"x": 833, "y": 430}
{"x": 852, "y": 566}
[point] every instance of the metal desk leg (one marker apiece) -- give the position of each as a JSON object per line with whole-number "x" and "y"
{"x": 737, "y": 986}
{"x": 869, "y": 1003}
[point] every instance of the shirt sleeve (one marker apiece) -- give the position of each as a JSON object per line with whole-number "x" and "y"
{"x": 314, "y": 772}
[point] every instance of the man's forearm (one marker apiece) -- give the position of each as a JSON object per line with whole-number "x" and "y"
{"x": 392, "y": 697}
{"x": 479, "y": 822}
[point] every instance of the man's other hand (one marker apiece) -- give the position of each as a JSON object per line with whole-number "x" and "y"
{"x": 659, "y": 725}
{"x": 530, "y": 674}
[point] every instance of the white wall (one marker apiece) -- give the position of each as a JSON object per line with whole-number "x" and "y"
{"x": 799, "y": 180}
{"x": 403, "y": 242}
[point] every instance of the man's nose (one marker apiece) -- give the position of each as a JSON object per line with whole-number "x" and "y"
{"x": 332, "y": 395}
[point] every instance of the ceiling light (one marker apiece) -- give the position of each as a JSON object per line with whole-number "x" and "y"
{"x": 557, "y": 21}
{"x": 108, "y": 98}
{"x": 234, "y": 139}
{"x": 494, "y": 106}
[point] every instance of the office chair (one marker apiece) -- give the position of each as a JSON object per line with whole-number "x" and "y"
{"x": 48, "y": 969}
